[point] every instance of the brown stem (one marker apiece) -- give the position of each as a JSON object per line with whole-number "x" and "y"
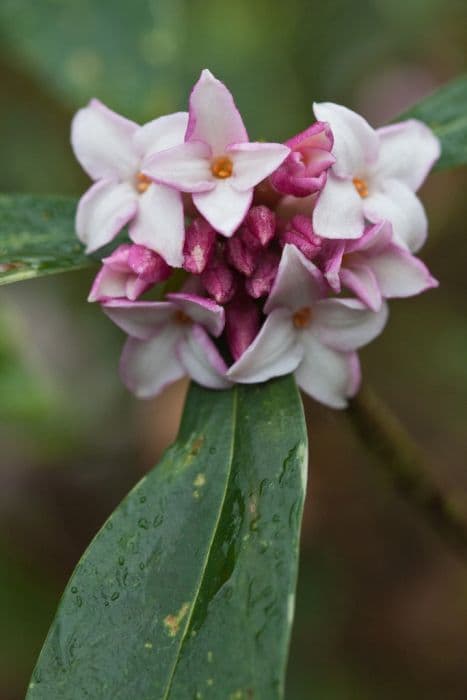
{"x": 383, "y": 434}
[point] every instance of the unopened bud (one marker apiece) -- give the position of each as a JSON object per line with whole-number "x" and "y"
{"x": 261, "y": 281}
{"x": 242, "y": 323}
{"x": 198, "y": 247}
{"x": 220, "y": 281}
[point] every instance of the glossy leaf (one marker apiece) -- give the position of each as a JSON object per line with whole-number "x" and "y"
{"x": 37, "y": 237}
{"x": 445, "y": 111}
{"x": 188, "y": 589}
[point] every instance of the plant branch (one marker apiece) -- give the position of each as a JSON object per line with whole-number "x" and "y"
{"x": 405, "y": 465}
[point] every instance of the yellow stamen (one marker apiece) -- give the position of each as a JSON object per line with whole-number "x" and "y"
{"x": 181, "y": 317}
{"x": 361, "y": 187}
{"x": 142, "y": 182}
{"x": 222, "y": 167}
{"x": 302, "y": 318}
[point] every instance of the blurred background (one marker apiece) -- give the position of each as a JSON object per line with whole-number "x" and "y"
{"x": 382, "y": 602}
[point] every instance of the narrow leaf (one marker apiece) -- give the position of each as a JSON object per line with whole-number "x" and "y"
{"x": 37, "y": 237}
{"x": 188, "y": 589}
{"x": 445, "y": 111}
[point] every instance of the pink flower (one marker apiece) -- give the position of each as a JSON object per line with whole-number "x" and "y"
{"x": 114, "y": 152}
{"x": 375, "y": 268}
{"x": 375, "y": 176}
{"x": 310, "y": 335}
{"x": 304, "y": 170}
{"x": 168, "y": 340}
{"x": 216, "y": 163}
{"x": 128, "y": 272}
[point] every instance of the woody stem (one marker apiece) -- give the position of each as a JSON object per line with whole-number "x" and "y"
{"x": 405, "y": 466}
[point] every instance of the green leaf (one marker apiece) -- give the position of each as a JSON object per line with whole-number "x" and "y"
{"x": 445, "y": 111}
{"x": 37, "y": 237}
{"x": 188, "y": 589}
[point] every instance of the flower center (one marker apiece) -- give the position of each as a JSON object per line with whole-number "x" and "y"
{"x": 142, "y": 182}
{"x": 222, "y": 167}
{"x": 302, "y": 317}
{"x": 181, "y": 317}
{"x": 361, "y": 187}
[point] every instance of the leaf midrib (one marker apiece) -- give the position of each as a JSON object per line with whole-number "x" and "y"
{"x": 209, "y": 549}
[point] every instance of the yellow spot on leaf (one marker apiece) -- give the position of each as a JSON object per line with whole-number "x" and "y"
{"x": 172, "y": 622}
{"x": 197, "y": 445}
{"x": 200, "y": 480}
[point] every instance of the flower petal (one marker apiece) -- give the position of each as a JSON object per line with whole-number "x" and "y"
{"x": 327, "y": 375}
{"x": 148, "y": 366}
{"x": 298, "y": 282}
{"x": 160, "y": 134}
{"x": 224, "y": 207}
{"x": 159, "y": 223}
{"x": 360, "y": 279}
{"x": 135, "y": 286}
{"x": 346, "y": 324}
{"x": 275, "y": 351}
{"x": 202, "y": 311}
{"x": 330, "y": 256}
{"x": 103, "y": 211}
{"x": 408, "y": 151}
{"x": 201, "y": 359}
{"x": 339, "y": 211}
{"x": 102, "y": 142}
{"x": 214, "y": 117}
{"x": 355, "y": 142}
{"x": 185, "y": 167}
{"x": 400, "y": 206}
{"x": 400, "y": 274}
{"x": 252, "y": 162}
{"x": 108, "y": 284}
{"x": 140, "y": 319}
{"x": 376, "y": 238}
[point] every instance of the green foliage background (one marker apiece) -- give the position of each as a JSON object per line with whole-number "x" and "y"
{"x": 382, "y": 607}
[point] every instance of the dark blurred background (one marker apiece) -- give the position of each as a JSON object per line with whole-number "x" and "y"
{"x": 382, "y": 602}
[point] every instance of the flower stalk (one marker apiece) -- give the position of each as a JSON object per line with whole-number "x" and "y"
{"x": 406, "y": 467}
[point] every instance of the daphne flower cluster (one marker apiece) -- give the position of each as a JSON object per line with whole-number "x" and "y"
{"x": 255, "y": 259}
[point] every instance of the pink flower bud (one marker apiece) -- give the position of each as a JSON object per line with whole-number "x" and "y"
{"x": 261, "y": 281}
{"x": 239, "y": 255}
{"x": 242, "y": 323}
{"x": 259, "y": 227}
{"x": 148, "y": 265}
{"x": 299, "y": 232}
{"x": 198, "y": 247}
{"x": 129, "y": 272}
{"x": 304, "y": 170}
{"x": 219, "y": 281}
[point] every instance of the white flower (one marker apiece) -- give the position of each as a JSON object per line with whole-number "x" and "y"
{"x": 375, "y": 176}
{"x": 310, "y": 335}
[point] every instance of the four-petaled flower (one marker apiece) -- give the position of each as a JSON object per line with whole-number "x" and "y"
{"x": 217, "y": 164}
{"x": 310, "y": 335}
{"x": 375, "y": 176}
{"x": 374, "y": 268}
{"x": 114, "y": 151}
{"x": 167, "y": 340}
